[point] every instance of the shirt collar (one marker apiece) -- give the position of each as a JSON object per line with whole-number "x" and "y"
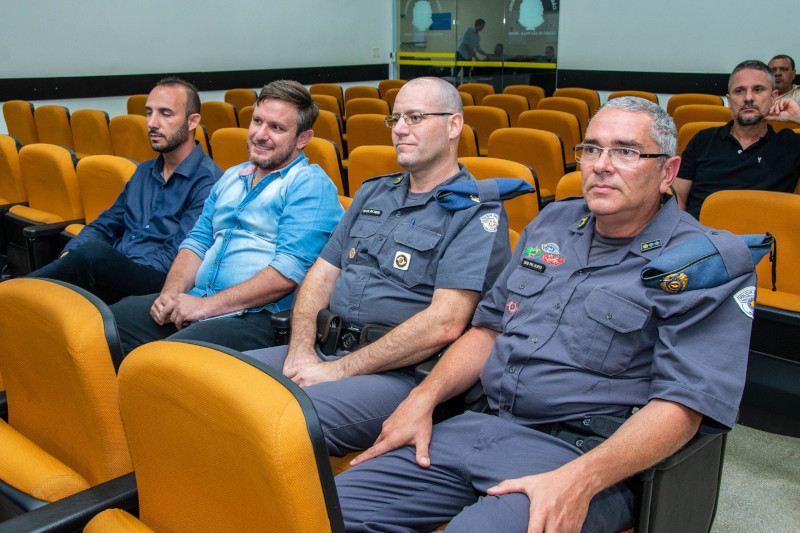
{"x": 250, "y": 169}
{"x": 187, "y": 168}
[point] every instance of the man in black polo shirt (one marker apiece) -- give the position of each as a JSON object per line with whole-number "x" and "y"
{"x": 746, "y": 153}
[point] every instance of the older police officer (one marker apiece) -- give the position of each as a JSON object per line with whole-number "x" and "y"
{"x": 569, "y": 332}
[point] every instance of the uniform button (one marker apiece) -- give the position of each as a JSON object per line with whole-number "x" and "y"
{"x": 225, "y": 240}
{"x": 352, "y": 308}
{"x": 397, "y": 215}
{"x": 511, "y": 369}
{"x": 381, "y": 237}
{"x": 239, "y": 208}
{"x": 162, "y": 187}
{"x": 133, "y": 237}
{"x": 238, "y": 227}
{"x": 580, "y": 272}
{"x": 557, "y": 306}
{"x": 361, "y": 277}
{"x": 147, "y": 226}
{"x": 714, "y": 233}
{"x": 609, "y": 316}
{"x": 521, "y": 285}
{"x": 209, "y": 285}
{"x": 535, "y": 340}
{"x": 506, "y": 407}
{"x": 216, "y": 263}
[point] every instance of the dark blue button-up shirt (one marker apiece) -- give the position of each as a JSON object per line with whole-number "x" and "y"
{"x": 151, "y": 217}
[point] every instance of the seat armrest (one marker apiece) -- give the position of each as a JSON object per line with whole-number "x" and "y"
{"x": 74, "y": 512}
{"x": 3, "y": 405}
{"x": 41, "y": 231}
{"x": 281, "y": 326}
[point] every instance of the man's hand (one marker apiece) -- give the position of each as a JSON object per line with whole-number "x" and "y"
{"x": 410, "y": 424}
{"x": 786, "y": 110}
{"x": 312, "y": 373}
{"x": 187, "y": 309}
{"x": 298, "y": 358}
{"x": 162, "y": 307}
{"x": 559, "y": 501}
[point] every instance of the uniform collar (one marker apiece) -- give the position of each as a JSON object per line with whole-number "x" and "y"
{"x": 401, "y": 183}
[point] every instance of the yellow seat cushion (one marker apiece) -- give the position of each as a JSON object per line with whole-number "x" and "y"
{"x": 34, "y": 214}
{"x": 116, "y": 520}
{"x": 778, "y": 299}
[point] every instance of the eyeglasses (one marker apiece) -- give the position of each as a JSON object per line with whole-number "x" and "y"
{"x": 412, "y": 119}
{"x": 620, "y": 156}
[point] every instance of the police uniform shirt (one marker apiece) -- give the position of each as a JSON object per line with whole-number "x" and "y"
{"x": 393, "y": 256}
{"x": 582, "y": 338}
{"x": 714, "y": 161}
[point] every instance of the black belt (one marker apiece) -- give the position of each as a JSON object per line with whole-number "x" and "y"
{"x": 585, "y": 433}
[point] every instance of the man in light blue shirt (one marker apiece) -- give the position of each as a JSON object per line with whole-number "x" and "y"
{"x": 262, "y": 227}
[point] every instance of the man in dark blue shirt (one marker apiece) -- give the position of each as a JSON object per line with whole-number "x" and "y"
{"x": 129, "y": 248}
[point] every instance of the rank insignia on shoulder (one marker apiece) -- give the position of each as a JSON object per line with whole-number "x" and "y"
{"x": 583, "y": 222}
{"x": 474, "y": 198}
{"x": 371, "y": 212}
{"x": 675, "y": 283}
{"x": 398, "y": 180}
{"x": 652, "y": 245}
{"x": 402, "y": 260}
{"x": 533, "y": 265}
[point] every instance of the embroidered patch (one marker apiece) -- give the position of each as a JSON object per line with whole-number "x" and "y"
{"x": 490, "y": 222}
{"x": 531, "y": 251}
{"x": 553, "y": 259}
{"x": 371, "y": 212}
{"x": 550, "y": 248}
{"x": 352, "y": 253}
{"x": 533, "y": 265}
{"x": 402, "y": 260}
{"x": 474, "y": 198}
{"x": 512, "y": 307}
{"x": 746, "y": 298}
{"x": 674, "y": 283}
{"x": 583, "y": 222}
{"x": 398, "y": 180}
{"x": 652, "y": 245}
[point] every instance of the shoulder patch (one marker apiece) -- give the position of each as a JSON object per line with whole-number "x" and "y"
{"x": 746, "y": 299}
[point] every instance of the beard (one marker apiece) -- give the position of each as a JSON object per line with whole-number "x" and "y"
{"x": 173, "y": 141}
{"x": 276, "y": 160}
{"x": 749, "y": 120}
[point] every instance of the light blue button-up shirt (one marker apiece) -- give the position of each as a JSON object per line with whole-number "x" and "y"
{"x": 282, "y": 222}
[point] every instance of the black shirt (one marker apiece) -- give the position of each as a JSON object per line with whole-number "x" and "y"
{"x": 714, "y": 161}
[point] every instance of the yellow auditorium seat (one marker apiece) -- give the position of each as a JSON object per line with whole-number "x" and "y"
{"x": 241, "y": 98}
{"x": 346, "y": 201}
{"x": 230, "y": 147}
{"x": 12, "y": 189}
{"x": 638, "y": 94}
{"x": 477, "y": 90}
{"x": 130, "y": 138}
{"x": 563, "y": 124}
{"x": 778, "y": 125}
{"x": 590, "y": 96}
{"x": 390, "y": 96}
{"x": 466, "y": 99}
{"x": 201, "y": 136}
{"x": 677, "y": 100}
{"x": 522, "y": 209}
{"x": 366, "y": 129}
{"x": 90, "y": 133}
{"x": 220, "y": 442}
{"x": 216, "y": 115}
{"x": 327, "y": 102}
{"x": 327, "y": 126}
{"x": 137, "y": 104}
{"x": 531, "y": 92}
{"x": 325, "y": 153}
{"x": 514, "y": 105}
{"x": 485, "y": 120}
{"x": 245, "y": 116}
{"x": 690, "y": 129}
{"x": 701, "y": 113}
{"x": 53, "y": 125}
{"x": 331, "y": 89}
{"x": 368, "y": 161}
{"x": 360, "y": 106}
{"x": 468, "y": 142}
{"x": 20, "y": 122}
{"x": 64, "y": 432}
{"x": 385, "y": 85}
{"x": 579, "y": 108}
{"x": 569, "y": 185}
{"x": 540, "y": 150}
{"x": 360, "y": 91}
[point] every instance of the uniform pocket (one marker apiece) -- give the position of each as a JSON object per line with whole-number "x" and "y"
{"x": 524, "y": 286}
{"x": 612, "y": 333}
{"x": 411, "y": 252}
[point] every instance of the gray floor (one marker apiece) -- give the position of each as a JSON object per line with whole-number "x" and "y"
{"x": 760, "y": 483}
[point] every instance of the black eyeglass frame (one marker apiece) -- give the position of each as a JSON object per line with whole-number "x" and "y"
{"x": 390, "y": 121}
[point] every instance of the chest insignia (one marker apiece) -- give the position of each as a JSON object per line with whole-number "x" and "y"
{"x": 583, "y": 222}
{"x": 531, "y": 251}
{"x": 553, "y": 259}
{"x": 490, "y": 222}
{"x": 398, "y": 180}
{"x": 652, "y": 245}
{"x": 675, "y": 283}
{"x": 474, "y": 198}
{"x": 371, "y": 212}
{"x": 402, "y": 260}
{"x": 352, "y": 253}
{"x": 512, "y": 306}
{"x": 533, "y": 265}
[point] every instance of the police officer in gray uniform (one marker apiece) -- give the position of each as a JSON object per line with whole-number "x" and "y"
{"x": 570, "y": 332}
{"x": 399, "y": 260}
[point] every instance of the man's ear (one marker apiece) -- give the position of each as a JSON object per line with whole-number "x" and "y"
{"x": 669, "y": 172}
{"x": 304, "y": 138}
{"x": 193, "y": 120}
{"x": 456, "y": 124}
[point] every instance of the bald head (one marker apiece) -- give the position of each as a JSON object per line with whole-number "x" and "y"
{"x": 443, "y": 94}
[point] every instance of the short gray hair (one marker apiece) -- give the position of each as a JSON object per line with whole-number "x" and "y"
{"x": 662, "y": 129}
{"x": 754, "y": 64}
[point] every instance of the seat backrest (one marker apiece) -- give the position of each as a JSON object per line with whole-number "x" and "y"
{"x": 569, "y": 185}
{"x": 690, "y": 129}
{"x": 52, "y": 123}
{"x": 701, "y": 113}
{"x": 230, "y": 147}
{"x": 677, "y": 100}
{"x": 563, "y": 124}
{"x": 325, "y": 153}
{"x": 367, "y": 129}
{"x": 466, "y": 99}
{"x": 20, "y": 122}
{"x": 327, "y": 126}
{"x": 90, "y": 133}
{"x": 216, "y": 115}
{"x": 390, "y": 96}
{"x": 522, "y": 209}
{"x": 590, "y": 96}
{"x": 368, "y": 161}
{"x": 223, "y": 443}
{"x": 514, "y": 104}
{"x": 779, "y": 125}
{"x": 241, "y": 98}
{"x": 12, "y": 189}
{"x": 61, "y": 343}
{"x": 245, "y": 116}
{"x": 48, "y": 172}
{"x": 468, "y": 142}
{"x": 331, "y": 89}
{"x": 101, "y": 179}
{"x": 541, "y": 150}
{"x": 385, "y": 85}
{"x": 137, "y": 104}
{"x": 360, "y": 106}
{"x": 577, "y": 107}
{"x": 531, "y": 92}
{"x": 477, "y": 90}
{"x": 327, "y": 102}
{"x": 201, "y": 136}
{"x": 346, "y": 201}
{"x": 360, "y": 91}
{"x": 485, "y": 120}
{"x": 638, "y": 94}
{"x": 130, "y": 139}
{"x": 751, "y": 212}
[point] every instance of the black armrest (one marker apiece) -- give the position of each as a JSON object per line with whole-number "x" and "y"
{"x": 40, "y": 231}
{"x": 3, "y": 405}
{"x": 281, "y": 326}
{"x": 43, "y": 241}
{"x": 71, "y": 514}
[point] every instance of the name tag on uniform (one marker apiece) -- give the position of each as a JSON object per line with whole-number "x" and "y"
{"x": 371, "y": 212}
{"x": 533, "y": 265}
